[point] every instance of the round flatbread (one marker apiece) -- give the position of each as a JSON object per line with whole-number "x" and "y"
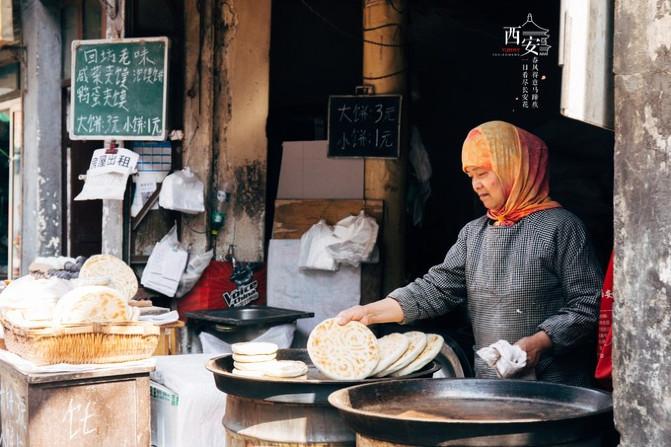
{"x": 120, "y": 275}
{"x": 92, "y": 304}
{"x": 434, "y": 343}
{"x": 286, "y": 369}
{"x": 253, "y": 358}
{"x": 416, "y": 346}
{"x": 254, "y": 348}
{"x": 346, "y": 352}
{"x": 391, "y": 348}
{"x": 253, "y": 366}
{"x": 256, "y": 374}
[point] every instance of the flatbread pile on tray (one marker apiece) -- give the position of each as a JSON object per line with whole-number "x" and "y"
{"x": 351, "y": 352}
{"x": 348, "y": 352}
{"x": 259, "y": 360}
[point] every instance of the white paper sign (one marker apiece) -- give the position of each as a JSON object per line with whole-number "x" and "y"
{"x": 144, "y": 188}
{"x": 108, "y": 174}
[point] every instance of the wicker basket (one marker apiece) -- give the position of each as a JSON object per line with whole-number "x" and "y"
{"x": 82, "y": 343}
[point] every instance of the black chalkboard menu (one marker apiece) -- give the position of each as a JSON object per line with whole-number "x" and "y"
{"x": 364, "y": 126}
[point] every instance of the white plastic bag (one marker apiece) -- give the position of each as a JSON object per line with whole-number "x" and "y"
{"x": 182, "y": 191}
{"x": 194, "y": 269}
{"x": 313, "y": 254}
{"x": 165, "y": 265}
{"x": 355, "y": 239}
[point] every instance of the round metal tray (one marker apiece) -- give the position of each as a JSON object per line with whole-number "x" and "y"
{"x": 474, "y": 412}
{"x": 315, "y": 389}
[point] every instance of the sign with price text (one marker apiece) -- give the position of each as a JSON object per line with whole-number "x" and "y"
{"x": 118, "y": 89}
{"x": 364, "y": 126}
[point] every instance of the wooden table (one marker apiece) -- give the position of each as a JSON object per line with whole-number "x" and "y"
{"x": 168, "y": 342}
{"x": 107, "y": 408}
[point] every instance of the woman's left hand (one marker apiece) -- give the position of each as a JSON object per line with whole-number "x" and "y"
{"x": 534, "y": 346}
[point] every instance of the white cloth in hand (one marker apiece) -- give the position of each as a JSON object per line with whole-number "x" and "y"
{"x": 507, "y": 359}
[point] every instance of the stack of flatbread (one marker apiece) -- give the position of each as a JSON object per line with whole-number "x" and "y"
{"x": 351, "y": 352}
{"x": 403, "y": 354}
{"x": 259, "y": 359}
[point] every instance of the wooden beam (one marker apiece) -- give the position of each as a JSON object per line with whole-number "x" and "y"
{"x": 384, "y": 68}
{"x": 241, "y": 94}
{"x": 198, "y": 110}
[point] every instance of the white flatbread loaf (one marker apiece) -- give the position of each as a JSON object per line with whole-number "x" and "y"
{"x": 253, "y": 366}
{"x": 391, "y": 348}
{"x": 434, "y": 343}
{"x": 253, "y": 358}
{"x": 92, "y": 304}
{"x": 239, "y": 372}
{"x": 254, "y": 348}
{"x": 346, "y": 352}
{"x": 287, "y": 369}
{"x": 417, "y": 344}
{"x": 120, "y": 275}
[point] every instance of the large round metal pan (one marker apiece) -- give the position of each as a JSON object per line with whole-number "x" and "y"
{"x": 474, "y": 412}
{"x": 315, "y": 389}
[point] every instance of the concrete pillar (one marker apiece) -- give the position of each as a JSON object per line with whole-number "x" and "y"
{"x": 41, "y": 164}
{"x": 642, "y": 315}
{"x": 113, "y": 217}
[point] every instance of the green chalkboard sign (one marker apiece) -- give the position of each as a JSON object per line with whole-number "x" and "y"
{"x": 118, "y": 89}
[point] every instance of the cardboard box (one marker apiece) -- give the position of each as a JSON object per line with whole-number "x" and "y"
{"x": 307, "y": 173}
{"x": 164, "y": 415}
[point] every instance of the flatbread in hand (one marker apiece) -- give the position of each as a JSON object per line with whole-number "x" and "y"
{"x": 121, "y": 276}
{"x": 417, "y": 344}
{"x": 92, "y": 304}
{"x": 391, "y": 347}
{"x": 346, "y": 352}
{"x": 434, "y": 344}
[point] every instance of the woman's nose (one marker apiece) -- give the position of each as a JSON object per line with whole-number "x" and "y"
{"x": 476, "y": 184}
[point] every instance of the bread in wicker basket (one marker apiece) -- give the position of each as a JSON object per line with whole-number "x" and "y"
{"x": 82, "y": 343}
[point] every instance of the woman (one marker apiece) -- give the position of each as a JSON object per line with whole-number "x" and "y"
{"x": 525, "y": 269}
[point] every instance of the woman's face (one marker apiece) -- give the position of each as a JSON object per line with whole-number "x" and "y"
{"x": 487, "y": 186}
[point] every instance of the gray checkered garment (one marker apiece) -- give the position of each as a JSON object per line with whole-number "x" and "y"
{"x": 539, "y": 274}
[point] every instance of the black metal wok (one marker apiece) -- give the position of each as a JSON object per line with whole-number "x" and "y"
{"x": 315, "y": 389}
{"x": 475, "y": 412}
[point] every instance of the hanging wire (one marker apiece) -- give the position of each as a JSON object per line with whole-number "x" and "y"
{"x": 375, "y": 78}
{"x": 393, "y": 6}
{"x": 184, "y": 221}
{"x": 347, "y": 34}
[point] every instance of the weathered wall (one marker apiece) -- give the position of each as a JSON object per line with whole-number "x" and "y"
{"x": 228, "y": 44}
{"x": 642, "y": 316}
{"x": 41, "y": 163}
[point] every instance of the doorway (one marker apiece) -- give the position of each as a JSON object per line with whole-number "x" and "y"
{"x": 10, "y": 188}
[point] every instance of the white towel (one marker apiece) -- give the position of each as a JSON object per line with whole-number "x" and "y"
{"x": 507, "y": 359}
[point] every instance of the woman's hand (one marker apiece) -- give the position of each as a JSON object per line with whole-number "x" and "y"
{"x": 354, "y": 313}
{"x": 384, "y": 311}
{"x": 534, "y": 346}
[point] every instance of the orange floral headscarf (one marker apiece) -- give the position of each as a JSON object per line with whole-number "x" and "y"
{"x": 519, "y": 159}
